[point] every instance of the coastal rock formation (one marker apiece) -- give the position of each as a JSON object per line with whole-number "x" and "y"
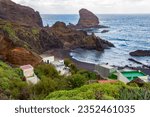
{"x": 19, "y": 41}
{"x": 140, "y": 53}
{"x": 20, "y": 14}
{"x": 104, "y": 31}
{"x": 87, "y": 19}
{"x": 72, "y": 39}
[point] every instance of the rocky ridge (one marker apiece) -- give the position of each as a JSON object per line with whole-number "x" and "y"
{"x": 20, "y": 14}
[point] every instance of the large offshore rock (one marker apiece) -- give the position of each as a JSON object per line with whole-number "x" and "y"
{"x": 20, "y": 14}
{"x": 87, "y": 19}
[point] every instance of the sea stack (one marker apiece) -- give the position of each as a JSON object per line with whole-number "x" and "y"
{"x": 87, "y": 19}
{"x": 19, "y": 14}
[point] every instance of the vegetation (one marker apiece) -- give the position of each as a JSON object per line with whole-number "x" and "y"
{"x": 8, "y": 27}
{"x": 109, "y": 91}
{"x": 11, "y": 85}
{"x": 35, "y": 31}
{"x": 75, "y": 87}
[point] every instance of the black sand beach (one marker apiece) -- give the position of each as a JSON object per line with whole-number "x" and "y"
{"x": 62, "y": 54}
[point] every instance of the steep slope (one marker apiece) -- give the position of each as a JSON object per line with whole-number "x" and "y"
{"x": 20, "y": 14}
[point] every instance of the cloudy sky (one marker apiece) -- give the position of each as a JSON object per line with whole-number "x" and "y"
{"x": 97, "y": 6}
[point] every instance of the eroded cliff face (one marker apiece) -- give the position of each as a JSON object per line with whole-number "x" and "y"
{"x": 20, "y": 14}
{"x": 16, "y": 55}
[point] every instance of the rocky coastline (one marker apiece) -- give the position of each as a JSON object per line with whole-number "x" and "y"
{"x": 25, "y": 34}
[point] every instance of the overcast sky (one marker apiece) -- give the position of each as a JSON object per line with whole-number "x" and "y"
{"x": 96, "y": 6}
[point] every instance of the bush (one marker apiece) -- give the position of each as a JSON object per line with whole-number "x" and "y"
{"x": 89, "y": 75}
{"x": 46, "y": 70}
{"x": 71, "y": 65}
{"x": 43, "y": 88}
{"x": 76, "y": 80}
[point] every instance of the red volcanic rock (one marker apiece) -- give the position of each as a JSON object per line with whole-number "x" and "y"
{"x": 20, "y": 14}
{"x": 21, "y": 56}
{"x": 87, "y": 19}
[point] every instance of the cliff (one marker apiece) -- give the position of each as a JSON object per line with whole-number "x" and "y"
{"x": 19, "y": 14}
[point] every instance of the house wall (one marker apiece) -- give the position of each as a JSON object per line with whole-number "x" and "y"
{"x": 122, "y": 78}
{"x": 33, "y": 80}
{"x": 48, "y": 59}
{"x": 104, "y": 72}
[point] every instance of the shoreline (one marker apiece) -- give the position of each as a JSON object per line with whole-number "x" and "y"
{"x": 63, "y": 54}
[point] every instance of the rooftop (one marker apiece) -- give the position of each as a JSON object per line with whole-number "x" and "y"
{"x": 107, "y": 66}
{"x": 24, "y": 67}
{"x": 45, "y": 55}
{"x": 107, "y": 81}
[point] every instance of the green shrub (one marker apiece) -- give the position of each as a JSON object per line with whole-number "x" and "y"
{"x": 46, "y": 70}
{"x": 43, "y": 88}
{"x": 76, "y": 80}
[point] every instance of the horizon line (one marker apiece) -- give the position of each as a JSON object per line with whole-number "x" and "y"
{"x": 97, "y": 14}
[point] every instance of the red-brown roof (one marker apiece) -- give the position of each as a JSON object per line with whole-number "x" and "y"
{"x": 107, "y": 81}
{"x": 26, "y": 67}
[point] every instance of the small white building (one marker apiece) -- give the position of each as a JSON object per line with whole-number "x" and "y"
{"x": 104, "y": 70}
{"x": 47, "y": 59}
{"x": 61, "y": 68}
{"x": 28, "y": 72}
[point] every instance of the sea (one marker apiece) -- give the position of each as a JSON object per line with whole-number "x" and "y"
{"x": 128, "y": 32}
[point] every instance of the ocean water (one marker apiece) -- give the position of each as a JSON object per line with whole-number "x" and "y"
{"x": 127, "y": 32}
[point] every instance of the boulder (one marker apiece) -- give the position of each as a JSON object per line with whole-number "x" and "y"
{"x": 140, "y": 53}
{"x": 20, "y": 14}
{"x": 104, "y": 31}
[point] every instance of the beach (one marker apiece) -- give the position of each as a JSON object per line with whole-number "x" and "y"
{"x": 64, "y": 54}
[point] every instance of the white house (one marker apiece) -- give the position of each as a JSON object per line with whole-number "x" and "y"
{"x": 47, "y": 59}
{"x": 28, "y": 72}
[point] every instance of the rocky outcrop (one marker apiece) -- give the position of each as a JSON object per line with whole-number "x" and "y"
{"x": 104, "y": 31}
{"x": 72, "y": 39}
{"x": 87, "y": 19}
{"x": 140, "y": 53}
{"x": 20, "y": 14}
